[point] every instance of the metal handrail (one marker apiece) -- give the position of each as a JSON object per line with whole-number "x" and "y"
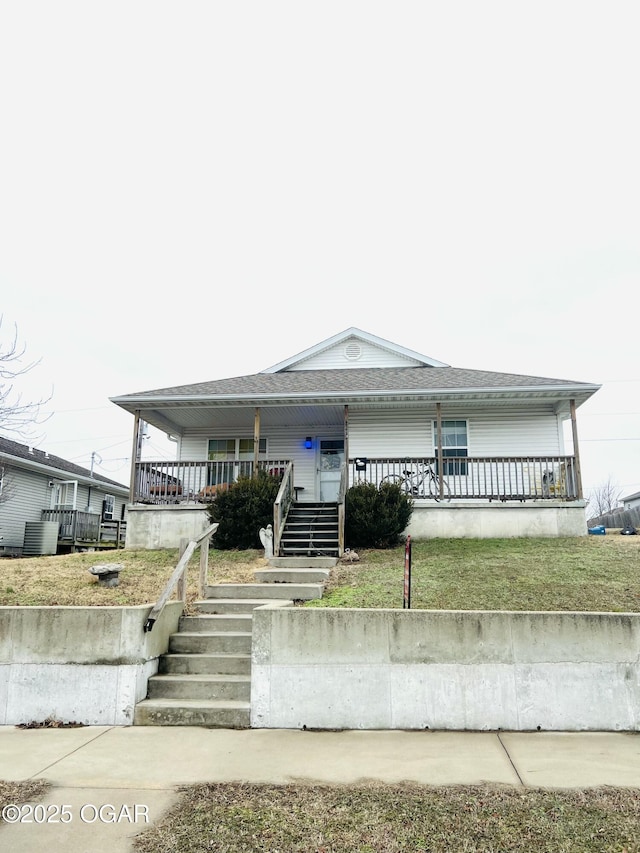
{"x": 179, "y": 576}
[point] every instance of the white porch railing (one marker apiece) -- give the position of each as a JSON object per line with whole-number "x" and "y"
{"x": 490, "y": 478}
{"x": 192, "y": 482}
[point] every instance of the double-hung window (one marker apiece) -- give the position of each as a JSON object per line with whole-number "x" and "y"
{"x": 233, "y": 457}
{"x": 454, "y": 445}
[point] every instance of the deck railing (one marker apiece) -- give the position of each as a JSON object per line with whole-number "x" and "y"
{"x": 77, "y": 526}
{"x": 192, "y": 482}
{"x": 490, "y": 478}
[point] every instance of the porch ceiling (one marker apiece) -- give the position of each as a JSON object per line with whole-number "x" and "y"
{"x": 177, "y": 421}
{"x": 179, "y": 417}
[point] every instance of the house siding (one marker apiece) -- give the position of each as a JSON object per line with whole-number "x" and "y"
{"x": 335, "y": 358}
{"x": 25, "y": 495}
{"x": 282, "y": 443}
{"x": 400, "y": 432}
{"x": 409, "y": 432}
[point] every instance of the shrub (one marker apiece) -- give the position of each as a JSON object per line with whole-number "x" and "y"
{"x": 376, "y": 517}
{"x": 242, "y": 510}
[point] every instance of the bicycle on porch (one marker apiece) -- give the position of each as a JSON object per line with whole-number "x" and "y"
{"x": 421, "y": 481}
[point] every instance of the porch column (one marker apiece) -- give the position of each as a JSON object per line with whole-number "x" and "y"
{"x": 576, "y": 448}
{"x": 439, "y": 448}
{"x": 135, "y": 456}
{"x": 346, "y": 446}
{"x": 256, "y": 440}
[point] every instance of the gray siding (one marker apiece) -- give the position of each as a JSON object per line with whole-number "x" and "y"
{"x": 25, "y": 494}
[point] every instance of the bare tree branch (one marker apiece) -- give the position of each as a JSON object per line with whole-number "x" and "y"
{"x": 16, "y": 415}
{"x": 604, "y": 498}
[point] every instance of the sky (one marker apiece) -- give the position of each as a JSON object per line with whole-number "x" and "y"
{"x": 191, "y": 191}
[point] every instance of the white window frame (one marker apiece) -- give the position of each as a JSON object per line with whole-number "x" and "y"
{"x": 451, "y": 452}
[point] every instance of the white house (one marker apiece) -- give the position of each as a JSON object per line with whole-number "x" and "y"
{"x": 483, "y": 453}
{"x": 36, "y": 487}
{"x": 631, "y": 501}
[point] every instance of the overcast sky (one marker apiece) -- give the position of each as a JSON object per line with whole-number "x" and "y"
{"x": 196, "y": 190}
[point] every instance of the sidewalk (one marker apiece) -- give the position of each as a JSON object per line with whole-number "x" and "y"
{"x": 142, "y": 766}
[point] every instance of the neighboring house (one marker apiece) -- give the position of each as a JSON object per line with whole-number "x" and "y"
{"x": 631, "y": 501}
{"x": 36, "y": 486}
{"x": 356, "y": 407}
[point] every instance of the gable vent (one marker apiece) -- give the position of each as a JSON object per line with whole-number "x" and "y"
{"x": 352, "y": 351}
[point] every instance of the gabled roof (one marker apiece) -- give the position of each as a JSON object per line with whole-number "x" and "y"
{"x": 399, "y": 377}
{"x": 356, "y": 335}
{"x": 21, "y": 455}
{"x": 354, "y": 383}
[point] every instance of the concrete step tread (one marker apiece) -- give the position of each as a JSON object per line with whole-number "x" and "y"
{"x": 266, "y": 590}
{"x": 216, "y": 618}
{"x": 214, "y": 678}
{"x": 213, "y": 704}
{"x": 211, "y": 634}
{"x": 196, "y": 655}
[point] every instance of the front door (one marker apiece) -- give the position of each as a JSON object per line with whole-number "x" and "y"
{"x": 330, "y": 459}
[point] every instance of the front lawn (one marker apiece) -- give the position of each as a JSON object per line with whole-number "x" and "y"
{"x": 591, "y": 573}
{"x": 376, "y": 818}
{"x": 65, "y": 579}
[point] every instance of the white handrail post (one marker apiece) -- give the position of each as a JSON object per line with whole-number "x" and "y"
{"x": 182, "y": 581}
{"x": 204, "y": 565}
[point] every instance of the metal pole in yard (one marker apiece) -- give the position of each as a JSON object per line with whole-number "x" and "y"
{"x": 406, "y": 603}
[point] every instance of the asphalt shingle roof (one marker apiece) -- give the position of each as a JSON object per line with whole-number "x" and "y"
{"x": 23, "y": 451}
{"x": 355, "y": 380}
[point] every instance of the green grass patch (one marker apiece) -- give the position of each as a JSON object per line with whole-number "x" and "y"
{"x": 582, "y": 573}
{"x": 377, "y": 818}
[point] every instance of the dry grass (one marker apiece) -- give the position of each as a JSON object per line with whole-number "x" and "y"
{"x": 377, "y": 818}
{"x": 18, "y": 793}
{"x": 65, "y": 579}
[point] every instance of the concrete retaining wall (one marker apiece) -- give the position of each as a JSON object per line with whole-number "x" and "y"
{"x": 78, "y": 664}
{"x": 395, "y": 669}
{"x": 153, "y": 527}
{"x": 482, "y": 520}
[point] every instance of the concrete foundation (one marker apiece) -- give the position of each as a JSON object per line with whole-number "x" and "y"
{"x": 499, "y": 520}
{"x": 78, "y": 664}
{"x": 395, "y": 669}
{"x": 154, "y": 527}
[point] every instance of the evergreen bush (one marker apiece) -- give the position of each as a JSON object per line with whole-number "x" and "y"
{"x": 242, "y": 510}
{"x": 376, "y": 517}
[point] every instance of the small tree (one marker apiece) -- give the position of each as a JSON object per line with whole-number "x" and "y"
{"x": 604, "y": 498}
{"x": 376, "y": 517}
{"x": 16, "y": 416}
{"x": 243, "y": 510}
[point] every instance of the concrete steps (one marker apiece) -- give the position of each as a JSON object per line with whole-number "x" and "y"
{"x": 212, "y": 713}
{"x": 292, "y": 591}
{"x": 204, "y": 679}
{"x": 292, "y": 576}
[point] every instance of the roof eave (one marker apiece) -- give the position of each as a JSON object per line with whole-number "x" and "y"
{"x": 131, "y": 403}
{"x": 60, "y": 473}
